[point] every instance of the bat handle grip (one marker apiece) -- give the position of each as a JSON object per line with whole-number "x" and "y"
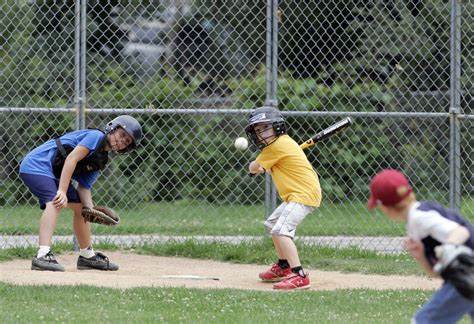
{"x": 307, "y": 144}
{"x": 253, "y": 174}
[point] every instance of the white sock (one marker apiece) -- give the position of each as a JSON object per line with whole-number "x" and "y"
{"x": 87, "y": 252}
{"x": 43, "y": 250}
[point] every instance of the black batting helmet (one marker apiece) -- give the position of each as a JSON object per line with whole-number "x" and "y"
{"x": 264, "y": 115}
{"x": 130, "y": 125}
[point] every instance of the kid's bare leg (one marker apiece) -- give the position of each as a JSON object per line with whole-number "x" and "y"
{"x": 48, "y": 223}
{"x": 81, "y": 228}
{"x": 286, "y": 249}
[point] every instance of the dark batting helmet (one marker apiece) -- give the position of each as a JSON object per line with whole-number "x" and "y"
{"x": 264, "y": 115}
{"x": 130, "y": 125}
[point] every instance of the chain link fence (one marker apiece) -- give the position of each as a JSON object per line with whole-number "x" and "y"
{"x": 189, "y": 71}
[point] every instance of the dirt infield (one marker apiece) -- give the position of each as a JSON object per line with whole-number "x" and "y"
{"x": 150, "y": 271}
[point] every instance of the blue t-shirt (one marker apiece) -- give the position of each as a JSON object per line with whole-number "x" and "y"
{"x": 39, "y": 160}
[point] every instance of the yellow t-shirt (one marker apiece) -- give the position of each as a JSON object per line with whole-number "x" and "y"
{"x": 291, "y": 171}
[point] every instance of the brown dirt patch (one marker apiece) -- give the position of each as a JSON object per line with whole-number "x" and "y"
{"x": 150, "y": 271}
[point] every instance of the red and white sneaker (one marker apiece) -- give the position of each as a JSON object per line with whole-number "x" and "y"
{"x": 293, "y": 281}
{"x": 275, "y": 273}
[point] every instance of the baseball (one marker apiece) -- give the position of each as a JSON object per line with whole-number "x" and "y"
{"x": 241, "y": 143}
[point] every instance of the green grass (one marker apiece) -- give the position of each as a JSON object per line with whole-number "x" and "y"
{"x": 192, "y": 218}
{"x": 201, "y": 218}
{"x": 259, "y": 252}
{"x": 178, "y": 305}
{"x": 81, "y": 304}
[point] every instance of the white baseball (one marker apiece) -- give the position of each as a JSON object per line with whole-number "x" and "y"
{"x": 241, "y": 143}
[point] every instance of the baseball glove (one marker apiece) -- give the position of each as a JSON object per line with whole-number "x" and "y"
{"x": 456, "y": 266}
{"x": 100, "y": 215}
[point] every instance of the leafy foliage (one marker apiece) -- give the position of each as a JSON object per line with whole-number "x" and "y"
{"x": 201, "y": 166}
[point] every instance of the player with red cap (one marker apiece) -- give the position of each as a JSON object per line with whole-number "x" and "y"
{"x": 435, "y": 236}
{"x": 388, "y": 188}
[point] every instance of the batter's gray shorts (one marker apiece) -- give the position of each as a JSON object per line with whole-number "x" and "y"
{"x": 284, "y": 220}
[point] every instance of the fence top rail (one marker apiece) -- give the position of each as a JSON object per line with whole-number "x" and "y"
{"x": 185, "y": 111}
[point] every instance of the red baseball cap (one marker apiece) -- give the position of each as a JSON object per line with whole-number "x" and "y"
{"x": 388, "y": 187}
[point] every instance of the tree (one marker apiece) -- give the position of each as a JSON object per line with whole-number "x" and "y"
{"x": 316, "y": 35}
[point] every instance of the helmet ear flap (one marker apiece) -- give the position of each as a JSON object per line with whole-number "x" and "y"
{"x": 279, "y": 127}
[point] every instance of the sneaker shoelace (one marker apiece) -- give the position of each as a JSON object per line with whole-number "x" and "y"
{"x": 277, "y": 269}
{"x": 50, "y": 257}
{"x": 103, "y": 257}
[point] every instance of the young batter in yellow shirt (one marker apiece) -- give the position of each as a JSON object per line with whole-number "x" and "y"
{"x": 298, "y": 186}
{"x": 291, "y": 171}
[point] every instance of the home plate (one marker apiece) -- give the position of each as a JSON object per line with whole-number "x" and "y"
{"x": 188, "y": 277}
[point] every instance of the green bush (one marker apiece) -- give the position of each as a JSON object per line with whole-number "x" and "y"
{"x": 191, "y": 156}
{"x": 187, "y": 156}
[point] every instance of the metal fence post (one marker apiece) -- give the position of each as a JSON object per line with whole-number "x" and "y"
{"x": 455, "y": 107}
{"x": 271, "y": 87}
{"x": 77, "y": 60}
{"x": 80, "y": 62}
{"x": 80, "y": 70}
{"x": 274, "y": 95}
{"x": 82, "y": 67}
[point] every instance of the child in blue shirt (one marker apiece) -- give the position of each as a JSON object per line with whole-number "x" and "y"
{"x": 47, "y": 171}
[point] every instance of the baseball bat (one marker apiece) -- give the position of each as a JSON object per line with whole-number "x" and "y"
{"x": 328, "y": 132}
{"x": 325, "y": 133}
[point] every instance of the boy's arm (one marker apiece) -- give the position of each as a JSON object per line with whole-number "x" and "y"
{"x": 86, "y": 196}
{"x": 427, "y": 268}
{"x": 256, "y": 168}
{"x": 79, "y": 152}
{"x": 417, "y": 251}
{"x": 459, "y": 235}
